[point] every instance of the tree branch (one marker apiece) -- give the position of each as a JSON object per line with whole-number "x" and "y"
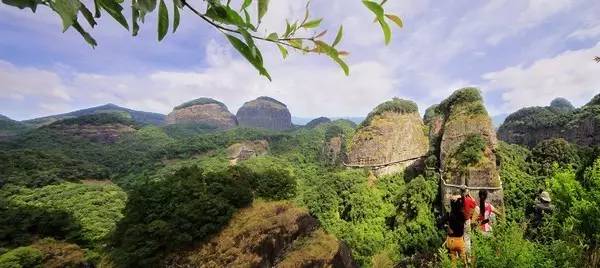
{"x": 280, "y": 41}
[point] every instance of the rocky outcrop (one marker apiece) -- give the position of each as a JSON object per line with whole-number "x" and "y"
{"x": 390, "y": 139}
{"x": 245, "y": 150}
{"x": 265, "y": 112}
{"x": 102, "y": 128}
{"x": 333, "y": 149}
{"x": 272, "y": 234}
{"x": 203, "y": 111}
{"x": 318, "y": 121}
{"x": 467, "y": 145}
{"x": 530, "y": 126}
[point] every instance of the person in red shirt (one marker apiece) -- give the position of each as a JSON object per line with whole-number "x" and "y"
{"x": 469, "y": 204}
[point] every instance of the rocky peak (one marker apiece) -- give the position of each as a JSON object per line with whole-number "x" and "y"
{"x": 390, "y": 139}
{"x": 467, "y": 144}
{"x": 204, "y": 111}
{"x": 562, "y": 104}
{"x": 265, "y": 112}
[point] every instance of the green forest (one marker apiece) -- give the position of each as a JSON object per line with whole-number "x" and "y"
{"x": 161, "y": 190}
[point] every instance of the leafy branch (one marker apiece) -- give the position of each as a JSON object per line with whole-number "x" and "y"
{"x": 236, "y": 24}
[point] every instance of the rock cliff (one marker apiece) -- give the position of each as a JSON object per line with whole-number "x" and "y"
{"x": 245, "y": 150}
{"x": 203, "y": 111}
{"x": 467, "y": 144}
{"x": 390, "y": 139}
{"x": 271, "y": 234}
{"x": 529, "y": 126}
{"x": 265, "y": 112}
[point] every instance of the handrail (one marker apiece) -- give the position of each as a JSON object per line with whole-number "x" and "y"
{"x": 382, "y": 165}
{"x": 466, "y": 186}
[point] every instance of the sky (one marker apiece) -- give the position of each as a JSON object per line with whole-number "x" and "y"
{"x": 519, "y": 53}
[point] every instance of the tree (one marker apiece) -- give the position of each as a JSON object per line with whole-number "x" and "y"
{"x": 237, "y": 24}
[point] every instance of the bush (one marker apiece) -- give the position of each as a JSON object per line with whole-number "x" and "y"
{"x": 554, "y": 151}
{"x": 462, "y": 96}
{"x": 199, "y": 101}
{"x": 470, "y": 151}
{"x": 23, "y": 257}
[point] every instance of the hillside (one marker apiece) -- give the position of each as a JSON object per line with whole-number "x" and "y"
{"x": 529, "y": 126}
{"x": 10, "y": 128}
{"x": 140, "y": 117}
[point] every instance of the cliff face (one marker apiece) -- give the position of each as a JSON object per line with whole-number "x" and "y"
{"x": 265, "y": 112}
{"x": 273, "y": 234}
{"x": 467, "y": 144}
{"x": 245, "y": 150}
{"x": 393, "y": 132}
{"x": 529, "y": 126}
{"x": 204, "y": 111}
{"x": 103, "y": 128}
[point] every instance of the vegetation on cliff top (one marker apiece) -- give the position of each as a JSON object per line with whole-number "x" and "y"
{"x": 467, "y": 100}
{"x": 395, "y": 105}
{"x": 199, "y": 101}
{"x": 97, "y": 120}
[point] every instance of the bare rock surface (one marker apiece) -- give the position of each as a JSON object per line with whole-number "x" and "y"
{"x": 245, "y": 150}
{"x": 265, "y": 112}
{"x": 204, "y": 111}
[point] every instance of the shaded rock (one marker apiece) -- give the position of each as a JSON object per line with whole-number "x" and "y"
{"x": 390, "y": 139}
{"x": 272, "y": 234}
{"x": 333, "y": 149}
{"x": 265, "y": 112}
{"x": 203, "y": 111}
{"x": 317, "y": 121}
{"x": 246, "y": 150}
{"x": 468, "y": 143}
{"x": 102, "y": 128}
{"x": 529, "y": 126}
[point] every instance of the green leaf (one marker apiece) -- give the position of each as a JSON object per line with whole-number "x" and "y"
{"x": 176, "y": 16}
{"x": 387, "y": 33}
{"x": 87, "y": 14}
{"x": 273, "y": 37}
{"x": 343, "y": 65}
{"x": 374, "y": 7}
{"x": 88, "y": 38}
{"x": 395, "y": 19}
{"x": 283, "y": 50}
{"x": 263, "y": 6}
{"x": 163, "y": 20}
{"x": 134, "y": 20}
{"x": 225, "y": 14}
{"x": 338, "y": 37}
{"x": 114, "y": 10}
{"x": 21, "y": 4}
{"x": 96, "y": 9}
{"x": 246, "y": 4}
{"x": 67, "y": 10}
{"x": 241, "y": 47}
{"x": 146, "y": 6}
{"x": 311, "y": 24}
{"x": 297, "y": 43}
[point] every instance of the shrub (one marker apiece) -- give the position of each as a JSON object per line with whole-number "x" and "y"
{"x": 23, "y": 257}
{"x": 558, "y": 151}
{"x": 199, "y": 101}
{"x": 470, "y": 151}
{"x": 462, "y": 96}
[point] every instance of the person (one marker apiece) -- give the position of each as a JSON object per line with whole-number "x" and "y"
{"x": 542, "y": 207}
{"x": 456, "y": 230}
{"x": 469, "y": 205}
{"x": 485, "y": 212}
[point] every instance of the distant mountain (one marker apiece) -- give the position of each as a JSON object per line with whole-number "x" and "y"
{"x": 301, "y": 121}
{"x": 9, "y": 127}
{"x": 140, "y": 117}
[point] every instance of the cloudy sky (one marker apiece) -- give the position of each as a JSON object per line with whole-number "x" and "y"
{"x": 519, "y": 53}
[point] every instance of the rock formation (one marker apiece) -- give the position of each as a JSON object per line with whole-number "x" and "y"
{"x": 103, "y": 128}
{"x": 203, "y": 111}
{"x": 318, "y": 121}
{"x": 333, "y": 149}
{"x": 265, "y": 112}
{"x": 390, "y": 139}
{"x": 529, "y": 126}
{"x": 246, "y": 150}
{"x": 273, "y": 234}
{"x": 467, "y": 144}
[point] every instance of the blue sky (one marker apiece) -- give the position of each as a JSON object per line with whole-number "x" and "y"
{"x": 519, "y": 53}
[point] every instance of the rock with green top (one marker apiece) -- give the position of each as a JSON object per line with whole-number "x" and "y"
{"x": 203, "y": 111}
{"x": 265, "y": 112}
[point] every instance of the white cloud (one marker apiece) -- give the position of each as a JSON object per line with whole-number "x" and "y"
{"x": 586, "y": 33}
{"x": 571, "y": 74}
{"x": 19, "y": 82}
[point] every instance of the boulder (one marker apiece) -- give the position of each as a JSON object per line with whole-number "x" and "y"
{"x": 467, "y": 145}
{"x": 203, "y": 111}
{"x": 265, "y": 112}
{"x": 390, "y": 139}
{"x": 245, "y": 150}
{"x": 269, "y": 234}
